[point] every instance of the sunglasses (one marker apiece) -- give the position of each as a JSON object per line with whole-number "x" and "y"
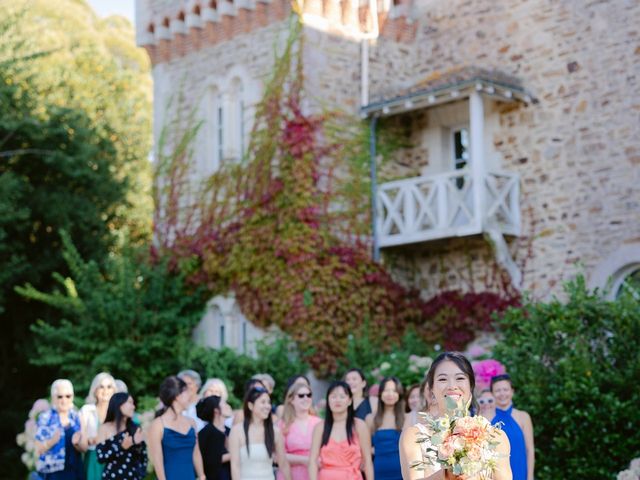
{"x": 60, "y": 397}
{"x": 302, "y": 395}
{"x": 482, "y": 401}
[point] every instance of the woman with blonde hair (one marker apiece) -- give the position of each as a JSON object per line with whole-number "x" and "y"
{"x": 297, "y": 424}
{"x": 92, "y": 415}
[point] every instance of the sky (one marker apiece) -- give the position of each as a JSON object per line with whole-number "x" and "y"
{"x": 105, "y": 8}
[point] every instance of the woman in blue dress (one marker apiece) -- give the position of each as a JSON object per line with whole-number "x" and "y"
{"x": 172, "y": 440}
{"x": 386, "y": 426}
{"x": 518, "y": 427}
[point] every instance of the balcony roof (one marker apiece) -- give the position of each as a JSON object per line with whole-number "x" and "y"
{"x": 450, "y": 86}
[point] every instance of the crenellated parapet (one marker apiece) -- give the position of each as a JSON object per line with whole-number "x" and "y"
{"x": 172, "y": 29}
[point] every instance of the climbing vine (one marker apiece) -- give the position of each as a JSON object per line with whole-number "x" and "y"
{"x": 286, "y": 228}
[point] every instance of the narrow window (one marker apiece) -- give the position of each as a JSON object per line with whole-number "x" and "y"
{"x": 222, "y": 339}
{"x": 460, "y": 148}
{"x": 241, "y": 127}
{"x": 220, "y": 118}
{"x": 244, "y": 337}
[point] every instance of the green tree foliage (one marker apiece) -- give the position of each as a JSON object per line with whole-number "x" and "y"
{"x": 92, "y": 65}
{"x": 576, "y": 366}
{"x": 134, "y": 319}
{"x": 74, "y": 142}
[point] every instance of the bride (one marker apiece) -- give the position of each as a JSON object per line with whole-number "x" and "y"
{"x": 450, "y": 376}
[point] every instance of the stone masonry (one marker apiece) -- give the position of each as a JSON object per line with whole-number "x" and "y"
{"x": 576, "y": 147}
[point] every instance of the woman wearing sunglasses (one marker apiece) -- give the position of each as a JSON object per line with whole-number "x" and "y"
{"x": 58, "y": 436}
{"x": 297, "y": 424}
{"x": 487, "y": 404}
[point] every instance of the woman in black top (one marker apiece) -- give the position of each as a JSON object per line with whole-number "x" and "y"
{"x": 120, "y": 445}
{"x": 212, "y": 439}
{"x": 358, "y": 384}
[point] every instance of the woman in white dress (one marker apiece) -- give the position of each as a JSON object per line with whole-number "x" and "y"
{"x": 255, "y": 442}
{"x": 92, "y": 415}
{"x": 450, "y": 376}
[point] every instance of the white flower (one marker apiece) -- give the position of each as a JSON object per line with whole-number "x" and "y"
{"x": 21, "y": 439}
{"x": 385, "y": 366}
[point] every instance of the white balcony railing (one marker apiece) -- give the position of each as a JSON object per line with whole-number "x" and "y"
{"x": 443, "y": 205}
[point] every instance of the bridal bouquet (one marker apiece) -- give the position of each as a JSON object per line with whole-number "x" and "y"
{"x": 464, "y": 445}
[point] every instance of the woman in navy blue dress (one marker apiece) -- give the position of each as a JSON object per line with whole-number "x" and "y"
{"x": 172, "y": 441}
{"x": 386, "y": 426}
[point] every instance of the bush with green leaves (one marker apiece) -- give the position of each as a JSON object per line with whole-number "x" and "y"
{"x": 133, "y": 318}
{"x": 408, "y": 359}
{"x": 575, "y": 364}
{"x": 276, "y": 356}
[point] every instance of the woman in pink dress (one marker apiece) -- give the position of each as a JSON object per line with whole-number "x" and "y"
{"x": 297, "y": 424}
{"x": 341, "y": 444}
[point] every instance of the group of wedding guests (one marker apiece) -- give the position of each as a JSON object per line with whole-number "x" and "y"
{"x": 196, "y": 434}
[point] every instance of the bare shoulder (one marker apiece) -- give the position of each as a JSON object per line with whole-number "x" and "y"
{"x": 521, "y": 416}
{"x": 504, "y": 446}
{"x": 235, "y": 430}
{"x": 360, "y": 425}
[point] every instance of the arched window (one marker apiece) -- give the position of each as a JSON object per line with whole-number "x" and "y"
{"x": 620, "y": 267}
{"x": 629, "y": 277}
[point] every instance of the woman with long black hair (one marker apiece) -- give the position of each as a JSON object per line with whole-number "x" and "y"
{"x": 342, "y": 443}
{"x": 120, "y": 443}
{"x": 254, "y": 442}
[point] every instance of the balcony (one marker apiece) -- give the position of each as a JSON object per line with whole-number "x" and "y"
{"x": 451, "y": 204}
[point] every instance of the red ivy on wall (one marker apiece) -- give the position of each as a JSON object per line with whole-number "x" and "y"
{"x": 279, "y": 232}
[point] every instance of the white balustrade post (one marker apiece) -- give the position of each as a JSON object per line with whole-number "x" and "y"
{"x": 442, "y": 197}
{"x": 478, "y": 166}
{"x": 408, "y": 209}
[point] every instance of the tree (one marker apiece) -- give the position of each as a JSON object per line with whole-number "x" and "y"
{"x": 133, "y": 319}
{"x": 74, "y": 142}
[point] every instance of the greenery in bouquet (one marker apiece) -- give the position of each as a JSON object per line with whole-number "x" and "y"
{"x": 458, "y": 442}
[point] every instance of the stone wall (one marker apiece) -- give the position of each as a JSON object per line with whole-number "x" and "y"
{"x": 577, "y": 150}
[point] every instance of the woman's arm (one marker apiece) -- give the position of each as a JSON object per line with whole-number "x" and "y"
{"x": 529, "y": 445}
{"x": 197, "y": 456}
{"x": 43, "y": 446}
{"x": 503, "y": 467}
{"x": 410, "y": 452}
{"x": 281, "y": 455}
{"x": 364, "y": 436}
{"x": 234, "y": 451}
{"x": 294, "y": 459}
{"x": 85, "y": 441}
{"x": 314, "y": 453}
{"x": 154, "y": 442}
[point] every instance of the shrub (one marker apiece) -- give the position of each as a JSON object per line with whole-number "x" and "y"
{"x": 576, "y": 366}
{"x": 277, "y": 357}
{"x": 408, "y": 359}
{"x": 133, "y": 318}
